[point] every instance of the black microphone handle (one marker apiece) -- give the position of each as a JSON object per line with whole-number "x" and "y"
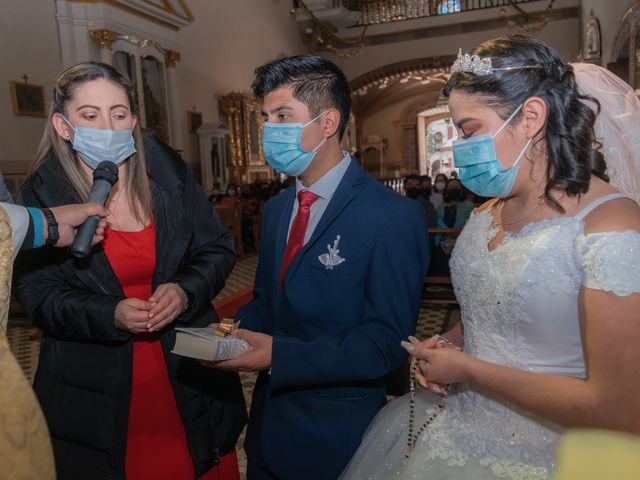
{"x": 84, "y": 236}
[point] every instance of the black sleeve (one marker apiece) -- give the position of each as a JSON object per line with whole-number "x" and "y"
{"x": 53, "y": 302}
{"x": 211, "y": 255}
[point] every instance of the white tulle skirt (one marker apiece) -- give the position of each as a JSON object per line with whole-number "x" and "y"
{"x": 473, "y": 437}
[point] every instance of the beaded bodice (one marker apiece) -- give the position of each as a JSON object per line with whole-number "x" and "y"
{"x": 519, "y": 306}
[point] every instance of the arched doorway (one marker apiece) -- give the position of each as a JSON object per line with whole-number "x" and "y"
{"x": 386, "y": 103}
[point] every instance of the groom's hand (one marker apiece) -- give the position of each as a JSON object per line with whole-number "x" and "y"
{"x": 258, "y": 357}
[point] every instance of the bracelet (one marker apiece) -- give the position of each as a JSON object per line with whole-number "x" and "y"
{"x": 52, "y": 227}
{"x": 38, "y": 226}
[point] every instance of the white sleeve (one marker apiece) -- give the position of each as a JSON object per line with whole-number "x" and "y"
{"x": 19, "y": 218}
{"x": 611, "y": 261}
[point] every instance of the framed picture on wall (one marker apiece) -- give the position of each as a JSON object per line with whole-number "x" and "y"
{"x": 195, "y": 120}
{"x": 27, "y": 99}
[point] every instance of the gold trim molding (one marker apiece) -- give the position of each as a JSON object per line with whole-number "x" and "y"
{"x": 146, "y": 16}
{"x": 104, "y": 37}
{"x": 171, "y": 58}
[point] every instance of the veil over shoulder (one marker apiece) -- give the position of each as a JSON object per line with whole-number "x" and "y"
{"x": 617, "y": 126}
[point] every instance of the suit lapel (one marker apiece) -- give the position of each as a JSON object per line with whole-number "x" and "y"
{"x": 342, "y": 197}
{"x": 282, "y": 229}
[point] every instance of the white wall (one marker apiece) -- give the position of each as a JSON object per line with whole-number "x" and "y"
{"x": 29, "y": 39}
{"x": 220, "y": 50}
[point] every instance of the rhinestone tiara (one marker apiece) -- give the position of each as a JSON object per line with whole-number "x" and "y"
{"x": 481, "y": 65}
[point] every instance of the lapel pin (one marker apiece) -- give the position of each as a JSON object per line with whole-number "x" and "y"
{"x": 332, "y": 259}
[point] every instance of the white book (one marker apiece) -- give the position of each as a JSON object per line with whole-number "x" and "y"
{"x": 204, "y": 344}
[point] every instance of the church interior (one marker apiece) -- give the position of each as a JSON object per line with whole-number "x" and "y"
{"x": 192, "y": 64}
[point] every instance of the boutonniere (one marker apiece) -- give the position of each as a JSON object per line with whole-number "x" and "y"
{"x": 332, "y": 259}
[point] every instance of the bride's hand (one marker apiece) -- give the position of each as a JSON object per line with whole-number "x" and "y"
{"x": 443, "y": 365}
{"x": 434, "y": 342}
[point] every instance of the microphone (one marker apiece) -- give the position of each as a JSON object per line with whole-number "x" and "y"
{"x": 104, "y": 177}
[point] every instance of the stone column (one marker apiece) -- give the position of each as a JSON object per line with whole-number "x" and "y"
{"x": 423, "y": 155}
{"x": 171, "y": 59}
{"x": 104, "y": 38}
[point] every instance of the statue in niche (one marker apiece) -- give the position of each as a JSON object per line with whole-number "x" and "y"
{"x": 592, "y": 40}
{"x": 215, "y": 161}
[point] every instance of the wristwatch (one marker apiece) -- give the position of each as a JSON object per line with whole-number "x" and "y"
{"x": 52, "y": 227}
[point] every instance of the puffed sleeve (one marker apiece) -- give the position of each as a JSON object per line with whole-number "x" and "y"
{"x": 611, "y": 261}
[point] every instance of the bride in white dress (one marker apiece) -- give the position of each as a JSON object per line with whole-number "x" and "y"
{"x": 547, "y": 276}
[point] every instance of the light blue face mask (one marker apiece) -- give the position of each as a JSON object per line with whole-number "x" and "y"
{"x": 95, "y": 145}
{"x": 282, "y": 147}
{"x": 480, "y": 170}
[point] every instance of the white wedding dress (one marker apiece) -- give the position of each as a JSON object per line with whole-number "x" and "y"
{"x": 519, "y": 308}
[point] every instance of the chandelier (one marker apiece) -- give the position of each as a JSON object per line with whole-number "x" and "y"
{"x": 526, "y": 22}
{"x": 366, "y": 13}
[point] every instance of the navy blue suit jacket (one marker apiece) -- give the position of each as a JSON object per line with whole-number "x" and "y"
{"x": 336, "y": 332}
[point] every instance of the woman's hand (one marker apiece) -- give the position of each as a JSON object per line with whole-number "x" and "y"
{"x": 167, "y": 302}
{"x": 417, "y": 348}
{"x": 443, "y": 365}
{"x": 132, "y": 315}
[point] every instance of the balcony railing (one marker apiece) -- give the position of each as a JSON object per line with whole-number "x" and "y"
{"x": 374, "y": 12}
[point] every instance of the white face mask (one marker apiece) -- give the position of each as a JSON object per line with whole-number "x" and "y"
{"x": 96, "y": 145}
{"x": 440, "y": 186}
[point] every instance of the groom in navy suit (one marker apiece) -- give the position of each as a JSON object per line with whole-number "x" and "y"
{"x": 338, "y": 284}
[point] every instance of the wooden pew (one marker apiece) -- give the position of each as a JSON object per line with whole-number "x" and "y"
{"x": 231, "y": 218}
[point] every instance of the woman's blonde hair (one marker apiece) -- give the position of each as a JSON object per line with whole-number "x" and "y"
{"x": 137, "y": 183}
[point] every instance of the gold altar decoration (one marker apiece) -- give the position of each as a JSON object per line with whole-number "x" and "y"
{"x": 104, "y": 37}
{"x": 243, "y": 115}
{"x": 171, "y": 58}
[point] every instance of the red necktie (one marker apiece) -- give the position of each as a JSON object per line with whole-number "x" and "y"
{"x": 298, "y": 229}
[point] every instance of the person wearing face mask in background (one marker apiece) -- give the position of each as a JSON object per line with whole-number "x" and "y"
{"x": 414, "y": 190}
{"x": 338, "y": 283}
{"x": 439, "y": 184}
{"x": 117, "y": 402}
{"x": 455, "y": 209}
{"x": 232, "y": 198}
{"x": 453, "y": 212}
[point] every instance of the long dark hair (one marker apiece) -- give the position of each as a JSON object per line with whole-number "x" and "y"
{"x": 572, "y": 151}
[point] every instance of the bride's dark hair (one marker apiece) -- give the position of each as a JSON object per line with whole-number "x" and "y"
{"x": 572, "y": 150}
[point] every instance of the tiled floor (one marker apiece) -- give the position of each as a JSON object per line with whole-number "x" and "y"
{"x": 25, "y": 339}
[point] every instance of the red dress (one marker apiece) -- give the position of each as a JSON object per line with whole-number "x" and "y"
{"x": 156, "y": 440}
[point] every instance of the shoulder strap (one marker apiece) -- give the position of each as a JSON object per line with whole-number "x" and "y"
{"x": 597, "y": 202}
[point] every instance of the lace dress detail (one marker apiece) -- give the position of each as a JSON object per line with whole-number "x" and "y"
{"x": 602, "y": 270}
{"x": 520, "y": 309}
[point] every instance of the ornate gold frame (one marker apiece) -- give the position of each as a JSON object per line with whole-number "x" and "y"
{"x": 18, "y": 99}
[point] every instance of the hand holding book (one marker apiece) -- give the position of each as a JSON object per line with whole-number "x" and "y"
{"x": 209, "y": 343}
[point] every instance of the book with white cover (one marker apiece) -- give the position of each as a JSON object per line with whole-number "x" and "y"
{"x": 203, "y": 344}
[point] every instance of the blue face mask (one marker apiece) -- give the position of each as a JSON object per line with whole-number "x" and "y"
{"x": 480, "y": 170}
{"x": 282, "y": 147}
{"x": 96, "y": 145}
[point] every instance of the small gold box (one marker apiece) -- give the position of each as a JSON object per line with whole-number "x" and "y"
{"x": 225, "y": 327}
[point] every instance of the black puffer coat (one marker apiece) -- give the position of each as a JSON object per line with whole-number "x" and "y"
{"x": 84, "y": 375}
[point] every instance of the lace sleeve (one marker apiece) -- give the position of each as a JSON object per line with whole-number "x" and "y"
{"x": 611, "y": 261}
